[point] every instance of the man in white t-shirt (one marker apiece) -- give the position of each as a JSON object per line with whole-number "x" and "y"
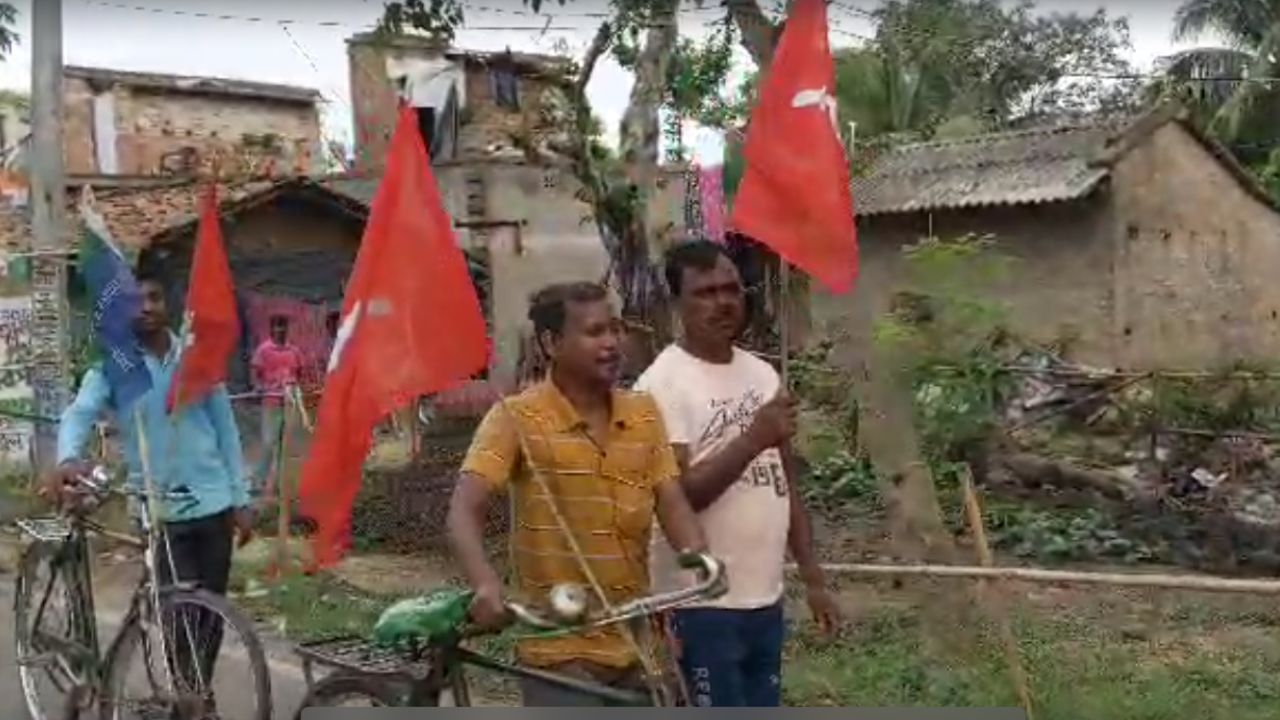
{"x": 730, "y": 422}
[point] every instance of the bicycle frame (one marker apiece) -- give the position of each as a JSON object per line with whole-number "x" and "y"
{"x": 72, "y": 562}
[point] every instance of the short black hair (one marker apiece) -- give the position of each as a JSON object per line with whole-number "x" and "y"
{"x": 549, "y": 306}
{"x": 697, "y": 254}
{"x": 279, "y": 320}
{"x": 148, "y": 273}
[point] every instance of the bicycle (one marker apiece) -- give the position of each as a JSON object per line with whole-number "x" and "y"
{"x": 430, "y": 673}
{"x": 71, "y": 658}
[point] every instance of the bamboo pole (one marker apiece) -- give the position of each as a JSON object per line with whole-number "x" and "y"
{"x": 995, "y": 599}
{"x": 283, "y": 495}
{"x": 1202, "y": 583}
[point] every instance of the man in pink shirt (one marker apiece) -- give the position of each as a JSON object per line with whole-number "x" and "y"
{"x": 276, "y": 365}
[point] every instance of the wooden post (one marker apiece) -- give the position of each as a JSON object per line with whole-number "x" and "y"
{"x": 49, "y": 332}
{"x": 997, "y": 607}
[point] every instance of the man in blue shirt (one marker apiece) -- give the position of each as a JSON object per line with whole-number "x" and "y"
{"x": 198, "y": 448}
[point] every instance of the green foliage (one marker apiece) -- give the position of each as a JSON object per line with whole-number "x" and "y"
{"x": 1268, "y": 173}
{"x": 843, "y": 479}
{"x": 1061, "y": 535}
{"x": 437, "y": 18}
{"x": 950, "y": 332}
{"x": 8, "y": 17}
{"x": 994, "y": 63}
{"x": 1240, "y": 112}
{"x": 1231, "y": 400}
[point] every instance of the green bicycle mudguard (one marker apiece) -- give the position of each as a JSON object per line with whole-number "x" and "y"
{"x": 419, "y": 620}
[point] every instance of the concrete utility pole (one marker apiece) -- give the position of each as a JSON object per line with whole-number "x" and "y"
{"x": 49, "y": 331}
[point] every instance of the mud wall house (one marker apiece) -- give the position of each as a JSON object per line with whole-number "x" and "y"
{"x": 1140, "y": 242}
{"x": 146, "y": 124}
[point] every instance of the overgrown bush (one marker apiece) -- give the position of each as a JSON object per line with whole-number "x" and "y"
{"x": 950, "y": 329}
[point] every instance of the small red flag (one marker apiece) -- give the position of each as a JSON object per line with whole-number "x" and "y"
{"x": 795, "y": 195}
{"x": 210, "y": 324}
{"x": 411, "y": 325}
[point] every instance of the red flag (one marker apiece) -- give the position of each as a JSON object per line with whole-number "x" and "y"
{"x": 795, "y": 195}
{"x": 411, "y": 325}
{"x": 210, "y": 325}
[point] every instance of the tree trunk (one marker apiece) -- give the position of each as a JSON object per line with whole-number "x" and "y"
{"x": 888, "y": 434}
{"x": 642, "y": 241}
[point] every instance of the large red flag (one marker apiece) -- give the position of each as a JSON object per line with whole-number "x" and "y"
{"x": 411, "y": 325}
{"x": 795, "y": 195}
{"x": 210, "y": 325}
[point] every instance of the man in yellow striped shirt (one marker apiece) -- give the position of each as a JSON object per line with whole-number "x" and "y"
{"x": 576, "y": 454}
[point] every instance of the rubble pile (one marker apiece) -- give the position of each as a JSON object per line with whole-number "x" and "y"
{"x": 1101, "y": 438}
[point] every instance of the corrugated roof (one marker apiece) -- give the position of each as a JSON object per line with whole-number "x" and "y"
{"x": 196, "y": 84}
{"x": 1013, "y": 168}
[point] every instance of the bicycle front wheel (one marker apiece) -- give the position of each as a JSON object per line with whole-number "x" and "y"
{"x": 197, "y": 657}
{"x": 47, "y": 608}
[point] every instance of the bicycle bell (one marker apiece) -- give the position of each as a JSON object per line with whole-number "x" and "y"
{"x": 568, "y": 602}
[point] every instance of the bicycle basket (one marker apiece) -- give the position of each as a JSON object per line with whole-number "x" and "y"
{"x": 420, "y": 620}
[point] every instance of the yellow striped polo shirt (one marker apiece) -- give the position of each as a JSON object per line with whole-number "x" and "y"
{"x": 605, "y": 492}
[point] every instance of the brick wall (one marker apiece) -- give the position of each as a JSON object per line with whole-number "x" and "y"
{"x": 485, "y": 126}
{"x": 243, "y": 132}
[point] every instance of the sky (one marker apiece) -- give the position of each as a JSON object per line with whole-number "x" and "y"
{"x": 302, "y": 43}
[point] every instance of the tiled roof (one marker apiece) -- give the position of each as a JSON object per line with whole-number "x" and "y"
{"x": 196, "y": 84}
{"x": 1053, "y": 164}
{"x": 137, "y": 214}
{"x": 1014, "y": 168}
{"x": 358, "y": 189}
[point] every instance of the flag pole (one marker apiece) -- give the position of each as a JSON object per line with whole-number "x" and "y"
{"x": 784, "y": 324}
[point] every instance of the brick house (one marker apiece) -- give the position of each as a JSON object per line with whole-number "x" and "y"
{"x": 138, "y": 124}
{"x": 1138, "y": 243}
{"x": 471, "y": 105}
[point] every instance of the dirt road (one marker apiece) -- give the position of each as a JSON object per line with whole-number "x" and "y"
{"x": 286, "y": 674}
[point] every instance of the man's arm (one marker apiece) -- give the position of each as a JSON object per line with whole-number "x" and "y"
{"x": 495, "y": 448}
{"x": 706, "y": 480}
{"x": 678, "y": 520}
{"x": 800, "y": 543}
{"x": 800, "y": 534}
{"x": 468, "y": 510}
{"x": 228, "y": 435}
{"x": 78, "y": 418}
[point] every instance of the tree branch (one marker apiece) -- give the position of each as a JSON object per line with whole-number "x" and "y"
{"x": 599, "y": 44}
{"x": 759, "y": 34}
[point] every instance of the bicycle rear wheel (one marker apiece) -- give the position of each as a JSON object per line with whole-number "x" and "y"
{"x": 47, "y": 608}
{"x": 344, "y": 689}
{"x": 212, "y": 663}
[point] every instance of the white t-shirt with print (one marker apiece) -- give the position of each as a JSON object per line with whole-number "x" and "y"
{"x": 705, "y": 406}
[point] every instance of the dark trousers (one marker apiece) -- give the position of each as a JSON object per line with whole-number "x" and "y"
{"x": 201, "y": 553}
{"x": 731, "y": 658}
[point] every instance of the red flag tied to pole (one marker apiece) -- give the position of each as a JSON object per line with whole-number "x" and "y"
{"x": 795, "y": 195}
{"x": 210, "y": 325}
{"x": 411, "y": 325}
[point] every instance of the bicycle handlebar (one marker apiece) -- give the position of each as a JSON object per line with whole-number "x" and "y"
{"x": 710, "y": 585}
{"x": 97, "y": 481}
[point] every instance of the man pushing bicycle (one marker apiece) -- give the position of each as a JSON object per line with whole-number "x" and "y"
{"x": 588, "y": 467}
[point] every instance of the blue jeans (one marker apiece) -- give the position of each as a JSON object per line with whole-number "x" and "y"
{"x": 731, "y": 658}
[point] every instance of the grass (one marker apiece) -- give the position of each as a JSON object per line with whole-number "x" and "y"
{"x": 1097, "y": 655}
{"x": 302, "y": 607}
{"x": 1079, "y": 668}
